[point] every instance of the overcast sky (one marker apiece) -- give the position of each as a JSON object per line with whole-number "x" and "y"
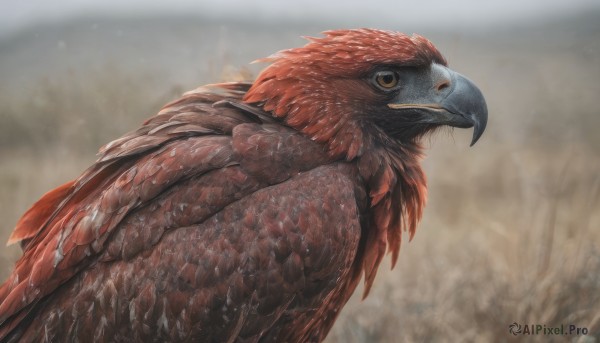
{"x": 18, "y": 14}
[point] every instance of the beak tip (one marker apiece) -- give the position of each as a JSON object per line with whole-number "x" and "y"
{"x": 478, "y": 128}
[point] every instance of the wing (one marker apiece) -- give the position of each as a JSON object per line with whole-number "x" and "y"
{"x": 64, "y": 230}
{"x": 171, "y": 205}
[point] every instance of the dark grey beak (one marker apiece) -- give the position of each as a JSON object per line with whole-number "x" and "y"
{"x": 465, "y": 101}
{"x": 445, "y": 97}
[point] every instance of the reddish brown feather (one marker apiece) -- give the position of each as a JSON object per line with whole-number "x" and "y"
{"x": 33, "y": 220}
{"x": 244, "y": 144}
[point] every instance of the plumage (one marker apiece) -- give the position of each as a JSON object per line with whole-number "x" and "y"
{"x": 242, "y": 212}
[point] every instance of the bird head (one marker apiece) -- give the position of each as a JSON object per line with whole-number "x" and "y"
{"x": 351, "y": 86}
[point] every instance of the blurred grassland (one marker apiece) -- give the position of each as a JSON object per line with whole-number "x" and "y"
{"x": 511, "y": 232}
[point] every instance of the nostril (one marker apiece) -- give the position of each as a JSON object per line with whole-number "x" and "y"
{"x": 442, "y": 85}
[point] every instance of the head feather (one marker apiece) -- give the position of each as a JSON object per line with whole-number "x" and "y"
{"x": 302, "y": 85}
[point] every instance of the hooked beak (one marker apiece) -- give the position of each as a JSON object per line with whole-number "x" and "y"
{"x": 447, "y": 98}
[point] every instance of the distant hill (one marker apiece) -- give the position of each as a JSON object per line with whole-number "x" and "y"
{"x": 193, "y": 50}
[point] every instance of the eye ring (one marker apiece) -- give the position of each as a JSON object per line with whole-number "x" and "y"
{"x": 386, "y": 79}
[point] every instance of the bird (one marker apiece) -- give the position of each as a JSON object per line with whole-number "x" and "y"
{"x": 243, "y": 211}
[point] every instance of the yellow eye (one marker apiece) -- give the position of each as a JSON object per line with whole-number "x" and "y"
{"x": 386, "y": 79}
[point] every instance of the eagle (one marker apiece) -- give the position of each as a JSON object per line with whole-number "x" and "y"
{"x": 243, "y": 212}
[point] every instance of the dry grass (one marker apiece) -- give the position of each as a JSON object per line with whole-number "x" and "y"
{"x": 521, "y": 243}
{"x": 511, "y": 232}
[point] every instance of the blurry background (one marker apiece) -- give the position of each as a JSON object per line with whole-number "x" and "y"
{"x": 512, "y": 229}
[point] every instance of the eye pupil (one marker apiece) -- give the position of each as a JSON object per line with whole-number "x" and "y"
{"x": 386, "y": 79}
